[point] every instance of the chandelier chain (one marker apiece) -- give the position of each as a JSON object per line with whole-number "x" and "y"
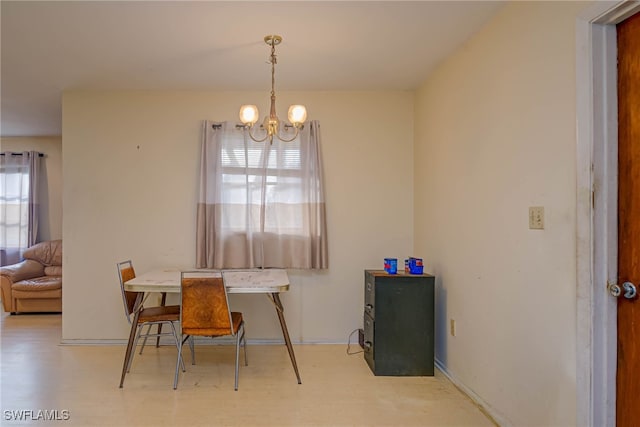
{"x": 273, "y": 68}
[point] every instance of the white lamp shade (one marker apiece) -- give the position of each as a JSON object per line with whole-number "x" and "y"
{"x": 297, "y": 114}
{"x": 249, "y": 114}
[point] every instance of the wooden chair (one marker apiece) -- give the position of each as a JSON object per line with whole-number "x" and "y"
{"x": 143, "y": 316}
{"x": 204, "y": 311}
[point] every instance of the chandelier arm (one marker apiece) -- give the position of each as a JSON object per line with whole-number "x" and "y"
{"x": 292, "y": 138}
{"x": 248, "y": 129}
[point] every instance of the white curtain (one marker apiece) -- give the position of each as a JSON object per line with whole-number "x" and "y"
{"x": 19, "y": 203}
{"x": 261, "y": 205}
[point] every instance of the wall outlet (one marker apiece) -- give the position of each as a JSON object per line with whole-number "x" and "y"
{"x": 452, "y": 327}
{"x": 536, "y": 217}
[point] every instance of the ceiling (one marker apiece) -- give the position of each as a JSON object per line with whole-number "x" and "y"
{"x": 52, "y": 46}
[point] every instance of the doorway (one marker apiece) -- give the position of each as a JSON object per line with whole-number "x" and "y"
{"x": 597, "y": 156}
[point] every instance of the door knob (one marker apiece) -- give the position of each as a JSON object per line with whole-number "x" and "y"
{"x": 629, "y": 289}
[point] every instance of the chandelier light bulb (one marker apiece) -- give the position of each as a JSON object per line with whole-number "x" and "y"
{"x": 249, "y": 114}
{"x": 297, "y": 114}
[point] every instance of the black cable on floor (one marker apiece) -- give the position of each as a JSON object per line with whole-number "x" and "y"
{"x": 349, "y": 352}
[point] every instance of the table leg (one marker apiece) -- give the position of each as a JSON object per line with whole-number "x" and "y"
{"x": 132, "y": 337}
{"x": 285, "y": 332}
{"x": 162, "y": 303}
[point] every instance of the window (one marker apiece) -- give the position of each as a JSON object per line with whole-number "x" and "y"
{"x": 261, "y": 205}
{"x": 19, "y": 173}
{"x": 14, "y": 197}
{"x": 251, "y": 172}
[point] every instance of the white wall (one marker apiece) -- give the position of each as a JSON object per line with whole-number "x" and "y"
{"x": 131, "y": 165}
{"x": 50, "y": 223}
{"x": 495, "y": 134}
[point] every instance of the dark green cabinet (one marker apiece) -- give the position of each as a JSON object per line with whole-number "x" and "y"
{"x": 399, "y": 323}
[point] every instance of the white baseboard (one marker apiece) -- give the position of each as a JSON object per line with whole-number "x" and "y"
{"x": 94, "y": 342}
{"x": 199, "y": 341}
{"x": 490, "y": 412}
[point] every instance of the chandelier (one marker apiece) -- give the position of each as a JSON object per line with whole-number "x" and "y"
{"x": 271, "y": 125}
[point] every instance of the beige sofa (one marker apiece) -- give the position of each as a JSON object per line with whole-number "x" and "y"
{"x": 35, "y": 284}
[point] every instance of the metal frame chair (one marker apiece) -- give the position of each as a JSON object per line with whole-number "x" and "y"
{"x": 204, "y": 311}
{"x": 144, "y": 316}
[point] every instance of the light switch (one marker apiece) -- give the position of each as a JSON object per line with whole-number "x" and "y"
{"x": 536, "y": 217}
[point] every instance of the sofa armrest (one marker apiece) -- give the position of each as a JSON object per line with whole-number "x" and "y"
{"x": 5, "y": 292}
{"x": 27, "y": 269}
{"x": 10, "y": 274}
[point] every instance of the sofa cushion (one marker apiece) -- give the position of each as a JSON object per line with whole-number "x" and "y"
{"x": 53, "y": 270}
{"x": 44, "y": 283}
{"x": 47, "y": 253}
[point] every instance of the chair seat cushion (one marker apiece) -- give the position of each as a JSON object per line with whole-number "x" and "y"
{"x": 38, "y": 284}
{"x": 236, "y": 318}
{"x": 160, "y": 314}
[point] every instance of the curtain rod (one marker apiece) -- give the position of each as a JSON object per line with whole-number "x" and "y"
{"x": 239, "y": 126}
{"x": 18, "y": 154}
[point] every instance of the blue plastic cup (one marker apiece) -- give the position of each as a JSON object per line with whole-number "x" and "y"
{"x": 391, "y": 265}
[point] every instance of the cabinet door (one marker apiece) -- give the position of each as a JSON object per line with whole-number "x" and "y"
{"x": 404, "y": 327}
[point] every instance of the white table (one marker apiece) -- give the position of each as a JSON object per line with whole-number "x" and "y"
{"x": 236, "y": 281}
{"x": 269, "y": 282}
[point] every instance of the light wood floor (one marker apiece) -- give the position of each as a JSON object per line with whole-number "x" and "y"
{"x": 337, "y": 389}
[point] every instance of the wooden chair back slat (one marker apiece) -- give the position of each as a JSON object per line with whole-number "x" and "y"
{"x": 204, "y": 304}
